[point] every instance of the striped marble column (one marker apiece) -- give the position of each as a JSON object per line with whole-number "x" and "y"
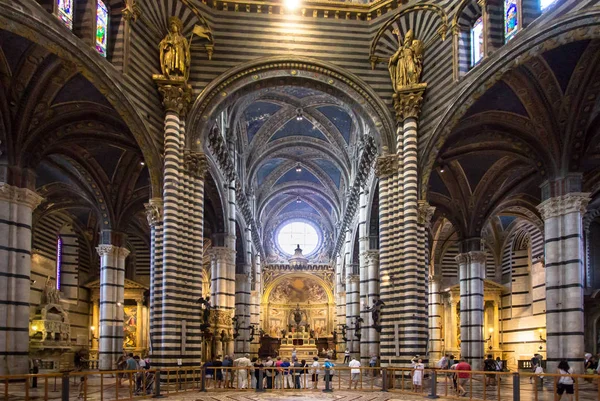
{"x": 16, "y": 207}
{"x": 372, "y": 334}
{"x": 242, "y": 310}
{"x": 255, "y": 309}
{"x": 471, "y": 267}
{"x": 154, "y": 215}
{"x": 564, "y": 256}
{"x": 112, "y": 288}
{"x": 363, "y": 271}
{"x": 340, "y": 294}
{"x": 386, "y": 170}
{"x": 352, "y": 304}
{"x": 435, "y": 319}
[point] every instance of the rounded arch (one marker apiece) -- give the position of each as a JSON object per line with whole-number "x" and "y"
{"x": 575, "y": 26}
{"x": 301, "y": 275}
{"x": 36, "y": 25}
{"x": 289, "y": 70}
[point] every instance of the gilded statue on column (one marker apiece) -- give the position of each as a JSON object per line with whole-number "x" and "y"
{"x": 175, "y": 52}
{"x": 406, "y": 65}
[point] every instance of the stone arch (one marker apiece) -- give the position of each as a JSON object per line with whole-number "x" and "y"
{"x": 579, "y": 25}
{"x": 284, "y": 70}
{"x": 34, "y": 24}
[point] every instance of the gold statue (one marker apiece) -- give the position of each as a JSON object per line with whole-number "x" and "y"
{"x": 175, "y": 52}
{"x": 406, "y": 64}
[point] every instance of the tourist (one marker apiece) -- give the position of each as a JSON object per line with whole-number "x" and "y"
{"x": 304, "y": 378}
{"x": 294, "y": 353}
{"x": 590, "y": 367}
{"x": 315, "y": 371}
{"x": 373, "y": 364}
{"x": 258, "y": 367}
{"x": 539, "y": 371}
{"x": 131, "y": 365}
{"x": 534, "y": 363}
{"x": 565, "y": 383}
{"x": 34, "y": 368}
{"x": 417, "y": 374}
{"x": 453, "y": 375}
{"x": 208, "y": 372}
{"x": 489, "y": 365}
{"x": 278, "y": 373}
{"x": 121, "y": 365}
{"x": 346, "y": 355}
{"x": 442, "y": 363}
{"x": 227, "y": 372}
{"x": 354, "y": 373}
{"x": 285, "y": 374}
{"x": 499, "y": 368}
{"x": 217, "y": 363}
{"x": 297, "y": 372}
{"x": 244, "y": 365}
{"x": 269, "y": 373}
{"x": 461, "y": 367}
{"x": 328, "y": 365}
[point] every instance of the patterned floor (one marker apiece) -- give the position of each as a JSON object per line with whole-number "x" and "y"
{"x": 304, "y": 395}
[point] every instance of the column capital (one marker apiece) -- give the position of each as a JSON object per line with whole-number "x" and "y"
{"x": 386, "y": 165}
{"x": 22, "y": 196}
{"x": 222, "y": 253}
{"x": 575, "y": 202}
{"x": 462, "y": 258}
{"x": 195, "y": 163}
{"x": 106, "y": 249}
{"x": 176, "y": 95}
{"x": 477, "y": 257}
{"x": 154, "y": 211}
{"x": 131, "y": 11}
{"x": 372, "y": 256}
{"x": 408, "y": 101}
{"x": 124, "y": 252}
{"x": 352, "y": 278}
{"x": 425, "y": 212}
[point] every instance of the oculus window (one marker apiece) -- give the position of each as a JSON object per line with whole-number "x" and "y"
{"x": 298, "y": 233}
{"x": 544, "y": 4}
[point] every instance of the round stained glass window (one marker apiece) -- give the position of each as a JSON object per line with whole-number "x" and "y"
{"x": 298, "y": 233}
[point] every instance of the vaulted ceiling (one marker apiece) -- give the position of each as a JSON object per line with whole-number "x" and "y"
{"x": 298, "y": 153}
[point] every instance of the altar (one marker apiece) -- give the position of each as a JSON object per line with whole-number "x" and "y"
{"x": 306, "y": 348}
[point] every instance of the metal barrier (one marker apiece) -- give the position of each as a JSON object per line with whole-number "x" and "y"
{"x": 430, "y": 383}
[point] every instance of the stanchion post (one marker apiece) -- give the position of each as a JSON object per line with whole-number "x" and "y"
{"x": 516, "y": 387}
{"x": 259, "y": 384}
{"x": 65, "y": 387}
{"x": 384, "y": 379}
{"x": 203, "y": 379}
{"x": 433, "y": 391}
{"x": 327, "y": 382}
{"x": 157, "y": 385}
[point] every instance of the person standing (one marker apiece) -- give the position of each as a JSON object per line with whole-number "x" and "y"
{"x": 286, "y": 374}
{"x": 315, "y": 369}
{"x": 463, "y": 377}
{"x": 243, "y": 364}
{"x": 227, "y": 372}
{"x": 258, "y": 367}
{"x": 297, "y": 371}
{"x": 209, "y": 372}
{"x": 417, "y": 373}
{"x": 489, "y": 365}
{"x": 328, "y": 365}
{"x": 565, "y": 383}
{"x": 354, "y": 372}
{"x": 304, "y": 378}
{"x": 294, "y": 354}
{"x": 373, "y": 364}
{"x": 278, "y": 373}
{"x": 534, "y": 364}
{"x": 346, "y": 355}
{"x": 217, "y": 363}
{"x": 269, "y": 372}
{"x": 443, "y": 363}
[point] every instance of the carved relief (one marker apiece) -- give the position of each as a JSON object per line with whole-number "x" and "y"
{"x": 297, "y": 290}
{"x": 196, "y": 164}
{"x": 154, "y": 212}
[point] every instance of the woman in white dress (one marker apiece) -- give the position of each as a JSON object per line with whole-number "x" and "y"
{"x": 417, "y": 374}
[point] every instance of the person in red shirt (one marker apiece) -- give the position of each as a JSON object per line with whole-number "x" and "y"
{"x": 463, "y": 377}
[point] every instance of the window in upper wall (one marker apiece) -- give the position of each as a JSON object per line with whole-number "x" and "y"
{"x": 58, "y": 260}
{"x": 477, "y": 41}
{"x": 101, "y": 27}
{"x": 65, "y": 12}
{"x": 544, "y": 4}
{"x": 511, "y": 19}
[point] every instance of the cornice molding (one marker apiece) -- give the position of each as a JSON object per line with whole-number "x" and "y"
{"x": 21, "y": 196}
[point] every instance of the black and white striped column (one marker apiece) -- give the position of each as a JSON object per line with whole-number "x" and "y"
{"x": 112, "y": 287}
{"x": 471, "y": 267}
{"x": 363, "y": 271}
{"x": 16, "y": 207}
{"x": 435, "y": 319}
{"x": 564, "y": 257}
{"x": 154, "y": 215}
{"x": 372, "y": 334}
{"x": 352, "y": 311}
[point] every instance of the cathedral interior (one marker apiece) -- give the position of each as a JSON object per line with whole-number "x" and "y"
{"x": 190, "y": 178}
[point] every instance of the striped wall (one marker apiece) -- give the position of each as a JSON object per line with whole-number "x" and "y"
{"x": 140, "y": 257}
{"x": 449, "y": 266}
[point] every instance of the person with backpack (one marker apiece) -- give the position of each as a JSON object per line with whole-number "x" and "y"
{"x": 328, "y": 365}
{"x": 489, "y": 365}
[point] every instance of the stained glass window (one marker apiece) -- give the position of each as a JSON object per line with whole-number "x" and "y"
{"x": 101, "y": 27}
{"x": 58, "y": 261}
{"x": 65, "y": 12}
{"x": 511, "y": 19}
{"x": 544, "y": 4}
{"x": 477, "y": 41}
